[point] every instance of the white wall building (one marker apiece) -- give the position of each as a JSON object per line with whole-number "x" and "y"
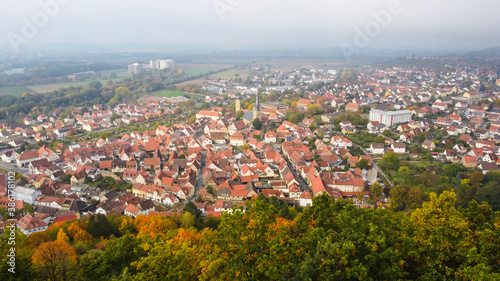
{"x": 390, "y": 118}
{"x": 27, "y": 195}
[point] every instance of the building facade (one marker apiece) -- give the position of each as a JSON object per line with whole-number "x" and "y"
{"x": 390, "y": 118}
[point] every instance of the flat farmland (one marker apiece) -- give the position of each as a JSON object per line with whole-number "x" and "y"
{"x": 14, "y": 91}
{"x": 45, "y": 88}
{"x": 171, "y": 94}
{"x": 225, "y": 75}
{"x": 230, "y": 74}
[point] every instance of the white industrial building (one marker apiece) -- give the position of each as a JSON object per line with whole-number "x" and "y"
{"x": 162, "y": 64}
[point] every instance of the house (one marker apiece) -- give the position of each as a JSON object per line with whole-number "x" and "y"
{"x": 63, "y": 132}
{"x": 429, "y": 145}
{"x": 30, "y": 224}
{"x": 270, "y": 137}
{"x": 78, "y": 178}
{"x": 236, "y": 126}
{"x": 170, "y": 199}
{"x": 16, "y": 142}
{"x": 469, "y": 161}
{"x": 352, "y": 107}
{"x": 399, "y": 148}
{"x": 10, "y": 156}
{"x": 482, "y": 133}
{"x": 377, "y": 148}
{"x": 237, "y": 139}
{"x": 305, "y": 199}
{"x": 26, "y": 157}
{"x": 153, "y": 164}
{"x": 143, "y": 208}
{"x": 487, "y": 167}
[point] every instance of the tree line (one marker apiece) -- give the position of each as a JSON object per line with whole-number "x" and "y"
{"x": 332, "y": 240}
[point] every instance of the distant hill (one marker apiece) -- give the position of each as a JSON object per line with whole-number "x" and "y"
{"x": 486, "y": 53}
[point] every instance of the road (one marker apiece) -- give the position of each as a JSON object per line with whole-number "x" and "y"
{"x": 11, "y": 168}
{"x": 375, "y": 166}
{"x": 199, "y": 182}
{"x": 303, "y": 185}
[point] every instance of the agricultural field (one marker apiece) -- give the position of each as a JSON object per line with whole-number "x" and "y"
{"x": 171, "y": 94}
{"x": 44, "y": 88}
{"x": 198, "y": 71}
{"x": 14, "y": 91}
{"x": 230, "y": 74}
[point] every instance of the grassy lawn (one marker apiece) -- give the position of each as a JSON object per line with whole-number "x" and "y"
{"x": 171, "y": 94}
{"x": 14, "y": 91}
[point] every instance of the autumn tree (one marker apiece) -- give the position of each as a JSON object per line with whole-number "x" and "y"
{"x": 78, "y": 233}
{"x": 405, "y": 197}
{"x": 122, "y": 91}
{"x": 56, "y": 260}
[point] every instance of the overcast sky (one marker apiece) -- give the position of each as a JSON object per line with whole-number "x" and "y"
{"x": 454, "y": 24}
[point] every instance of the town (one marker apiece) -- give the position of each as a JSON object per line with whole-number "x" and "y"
{"x": 360, "y": 134}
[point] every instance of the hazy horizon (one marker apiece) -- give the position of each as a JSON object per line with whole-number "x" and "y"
{"x": 239, "y": 24}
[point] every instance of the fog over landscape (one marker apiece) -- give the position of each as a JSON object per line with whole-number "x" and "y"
{"x": 229, "y": 24}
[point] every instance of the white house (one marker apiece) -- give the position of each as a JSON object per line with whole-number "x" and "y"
{"x": 377, "y": 148}
{"x": 30, "y": 224}
{"x": 270, "y": 137}
{"x": 398, "y": 147}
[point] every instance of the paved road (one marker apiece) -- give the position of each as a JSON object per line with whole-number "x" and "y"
{"x": 374, "y": 165}
{"x": 11, "y": 168}
{"x": 199, "y": 181}
{"x": 303, "y": 185}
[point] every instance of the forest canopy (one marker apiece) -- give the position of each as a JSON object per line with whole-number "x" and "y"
{"x": 332, "y": 240}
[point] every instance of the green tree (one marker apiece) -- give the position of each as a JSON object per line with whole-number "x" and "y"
{"x": 122, "y": 91}
{"x": 390, "y": 161}
{"x": 99, "y": 226}
{"x": 405, "y": 173}
{"x": 376, "y": 191}
{"x": 362, "y": 164}
{"x": 95, "y": 85}
{"x": 239, "y": 115}
{"x": 257, "y": 124}
{"x": 405, "y": 197}
{"x": 191, "y": 207}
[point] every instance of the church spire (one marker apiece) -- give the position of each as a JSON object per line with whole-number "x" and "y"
{"x": 257, "y": 104}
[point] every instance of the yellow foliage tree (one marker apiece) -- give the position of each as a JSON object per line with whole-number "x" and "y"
{"x": 56, "y": 260}
{"x": 79, "y": 234}
{"x": 62, "y": 236}
{"x": 157, "y": 225}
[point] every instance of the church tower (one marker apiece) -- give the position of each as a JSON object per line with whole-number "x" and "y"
{"x": 257, "y": 113}
{"x": 237, "y": 105}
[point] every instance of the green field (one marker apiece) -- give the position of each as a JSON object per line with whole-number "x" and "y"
{"x": 44, "y": 88}
{"x": 171, "y": 94}
{"x": 230, "y": 74}
{"x": 198, "y": 71}
{"x": 14, "y": 91}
